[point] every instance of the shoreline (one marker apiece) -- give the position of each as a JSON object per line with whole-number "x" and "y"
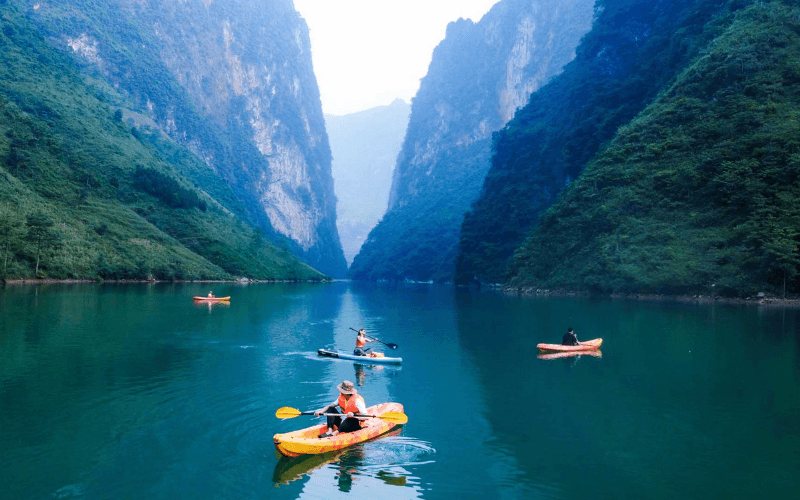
{"x": 244, "y": 281}
{"x": 761, "y": 299}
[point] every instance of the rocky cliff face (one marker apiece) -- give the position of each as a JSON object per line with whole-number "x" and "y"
{"x": 478, "y": 77}
{"x": 233, "y": 81}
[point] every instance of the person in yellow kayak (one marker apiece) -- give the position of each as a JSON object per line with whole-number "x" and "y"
{"x": 570, "y": 338}
{"x": 361, "y": 341}
{"x": 351, "y": 403}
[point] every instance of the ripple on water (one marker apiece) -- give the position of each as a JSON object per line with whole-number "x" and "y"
{"x": 382, "y": 468}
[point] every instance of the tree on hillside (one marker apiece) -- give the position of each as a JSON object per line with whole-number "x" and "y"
{"x": 41, "y": 235}
{"x": 10, "y": 232}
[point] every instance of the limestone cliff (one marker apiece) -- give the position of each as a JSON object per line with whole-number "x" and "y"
{"x": 233, "y": 81}
{"x": 480, "y": 74}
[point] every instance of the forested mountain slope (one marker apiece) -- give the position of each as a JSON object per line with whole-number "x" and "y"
{"x": 364, "y": 146}
{"x": 635, "y": 50}
{"x": 701, "y": 192}
{"x": 84, "y": 194}
{"x": 479, "y": 75}
{"x": 231, "y": 81}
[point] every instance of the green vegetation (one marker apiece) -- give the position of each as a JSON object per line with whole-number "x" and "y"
{"x": 166, "y": 189}
{"x": 123, "y": 201}
{"x": 701, "y": 192}
{"x": 634, "y": 51}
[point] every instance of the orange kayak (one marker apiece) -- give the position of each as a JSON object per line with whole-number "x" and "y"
{"x": 213, "y": 299}
{"x": 307, "y": 442}
{"x": 589, "y": 345}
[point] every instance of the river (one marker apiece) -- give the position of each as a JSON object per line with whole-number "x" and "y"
{"x": 134, "y": 391}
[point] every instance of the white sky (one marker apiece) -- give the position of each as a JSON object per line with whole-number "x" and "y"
{"x": 367, "y": 53}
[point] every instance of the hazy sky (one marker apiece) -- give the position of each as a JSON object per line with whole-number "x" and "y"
{"x": 366, "y": 53}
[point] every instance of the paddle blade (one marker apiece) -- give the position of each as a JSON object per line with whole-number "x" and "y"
{"x": 287, "y": 412}
{"x": 392, "y": 346}
{"x": 394, "y": 417}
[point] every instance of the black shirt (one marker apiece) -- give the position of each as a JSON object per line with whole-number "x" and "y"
{"x": 570, "y": 339}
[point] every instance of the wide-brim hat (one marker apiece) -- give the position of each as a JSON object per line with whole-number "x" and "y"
{"x": 346, "y": 387}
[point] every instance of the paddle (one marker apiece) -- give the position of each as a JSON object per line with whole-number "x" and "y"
{"x": 394, "y": 417}
{"x": 389, "y": 345}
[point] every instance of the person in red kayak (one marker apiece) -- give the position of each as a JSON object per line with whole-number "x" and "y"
{"x": 570, "y": 338}
{"x": 351, "y": 404}
{"x": 210, "y": 295}
{"x": 361, "y": 341}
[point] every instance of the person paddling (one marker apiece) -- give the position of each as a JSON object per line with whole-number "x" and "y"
{"x": 570, "y": 338}
{"x": 361, "y": 341}
{"x": 351, "y": 403}
{"x": 210, "y": 295}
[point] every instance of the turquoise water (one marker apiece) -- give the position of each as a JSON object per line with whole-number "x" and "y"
{"x": 132, "y": 391}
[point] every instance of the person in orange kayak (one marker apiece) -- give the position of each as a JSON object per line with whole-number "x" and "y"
{"x": 361, "y": 341}
{"x": 210, "y": 295}
{"x": 351, "y": 404}
{"x": 570, "y": 338}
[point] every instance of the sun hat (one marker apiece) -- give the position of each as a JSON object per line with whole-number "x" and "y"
{"x": 346, "y": 387}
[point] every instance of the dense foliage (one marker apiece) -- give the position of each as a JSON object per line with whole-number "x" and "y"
{"x": 166, "y": 189}
{"x": 701, "y": 192}
{"x": 68, "y": 159}
{"x": 635, "y": 49}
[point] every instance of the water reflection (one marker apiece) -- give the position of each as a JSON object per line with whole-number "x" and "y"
{"x": 365, "y": 373}
{"x": 210, "y": 305}
{"x": 567, "y": 355}
{"x": 376, "y": 469}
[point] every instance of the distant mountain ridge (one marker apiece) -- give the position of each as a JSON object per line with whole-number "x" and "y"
{"x": 365, "y": 147}
{"x": 478, "y": 76}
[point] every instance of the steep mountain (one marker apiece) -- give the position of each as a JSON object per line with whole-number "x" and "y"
{"x": 701, "y": 191}
{"x": 91, "y": 182}
{"x": 479, "y": 75}
{"x": 231, "y": 81}
{"x": 633, "y": 52}
{"x": 364, "y": 146}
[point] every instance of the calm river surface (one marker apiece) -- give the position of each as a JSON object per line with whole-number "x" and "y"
{"x": 132, "y": 391}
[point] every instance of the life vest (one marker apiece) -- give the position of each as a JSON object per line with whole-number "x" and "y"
{"x": 349, "y": 405}
{"x": 359, "y": 342}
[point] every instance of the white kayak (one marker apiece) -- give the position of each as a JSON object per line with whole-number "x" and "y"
{"x": 331, "y": 353}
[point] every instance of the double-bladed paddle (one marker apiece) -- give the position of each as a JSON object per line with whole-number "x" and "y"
{"x": 389, "y": 345}
{"x": 394, "y": 417}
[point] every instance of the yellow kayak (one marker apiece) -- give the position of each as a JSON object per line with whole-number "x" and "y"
{"x": 306, "y": 441}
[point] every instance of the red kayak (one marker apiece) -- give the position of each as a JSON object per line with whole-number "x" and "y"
{"x": 590, "y": 345}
